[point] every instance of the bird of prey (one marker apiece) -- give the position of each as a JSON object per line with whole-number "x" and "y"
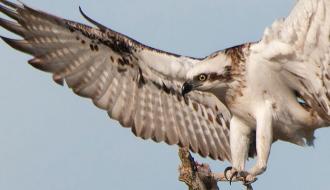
{"x": 230, "y": 105}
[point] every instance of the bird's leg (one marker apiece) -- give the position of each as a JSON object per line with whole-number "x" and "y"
{"x": 239, "y": 146}
{"x": 264, "y": 139}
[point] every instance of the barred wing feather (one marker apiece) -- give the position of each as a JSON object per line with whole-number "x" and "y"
{"x": 137, "y": 85}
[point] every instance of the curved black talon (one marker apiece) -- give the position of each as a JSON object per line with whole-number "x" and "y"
{"x": 249, "y": 183}
{"x": 248, "y": 186}
{"x": 246, "y": 183}
{"x": 226, "y": 171}
{"x": 235, "y": 174}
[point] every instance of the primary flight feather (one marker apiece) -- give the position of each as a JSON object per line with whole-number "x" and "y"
{"x": 230, "y": 105}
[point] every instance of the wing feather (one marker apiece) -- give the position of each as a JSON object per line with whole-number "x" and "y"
{"x": 300, "y": 46}
{"x": 137, "y": 85}
{"x": 159, "y": 114}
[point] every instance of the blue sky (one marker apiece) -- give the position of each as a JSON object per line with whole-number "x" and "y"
{"x": 51, "y": 139}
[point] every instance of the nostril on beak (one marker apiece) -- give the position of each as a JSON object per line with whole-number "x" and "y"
{"x": 186, "y": 88}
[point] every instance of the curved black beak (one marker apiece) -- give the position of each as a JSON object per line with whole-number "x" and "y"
{"x": 186, "y": 88}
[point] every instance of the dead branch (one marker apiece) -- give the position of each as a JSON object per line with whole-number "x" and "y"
{"x": 199, "y": 176}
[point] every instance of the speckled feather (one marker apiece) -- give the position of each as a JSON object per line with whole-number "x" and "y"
{"x": 137, "y": 85}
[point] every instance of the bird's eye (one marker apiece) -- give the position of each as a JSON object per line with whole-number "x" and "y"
{"x": 202, "y": 77}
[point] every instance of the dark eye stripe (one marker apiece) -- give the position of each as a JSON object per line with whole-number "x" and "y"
{"x": 215, "y": 76}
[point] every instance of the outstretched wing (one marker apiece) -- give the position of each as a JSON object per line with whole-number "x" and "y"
{"x": 298, "y": 47}
{"x": 137, "y": 85}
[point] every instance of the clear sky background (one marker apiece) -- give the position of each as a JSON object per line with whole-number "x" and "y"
{"x": 51, "y": 139}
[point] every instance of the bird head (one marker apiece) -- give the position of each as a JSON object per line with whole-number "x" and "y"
{"x": 210, "y": 75}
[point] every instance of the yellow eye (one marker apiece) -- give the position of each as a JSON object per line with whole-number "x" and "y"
{"x": 202, "y": 77}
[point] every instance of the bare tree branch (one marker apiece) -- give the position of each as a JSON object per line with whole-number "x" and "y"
{"x": 199, "y": 176}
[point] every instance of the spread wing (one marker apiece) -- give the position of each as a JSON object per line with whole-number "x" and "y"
{"x": 137, "y": 85}
{"x": 298, "y": 47}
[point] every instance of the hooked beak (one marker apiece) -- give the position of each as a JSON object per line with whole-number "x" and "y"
{"x": 186, "y": 88}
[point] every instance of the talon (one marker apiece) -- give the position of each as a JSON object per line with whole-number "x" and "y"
{"x": 232, "y": 176}
{"x": 226, "y": 171}
{"x": 233, "y": 173}
{"x": 248, "y": 186}
{"x": 249, "y": 179}
{"x": 246, "y": 183}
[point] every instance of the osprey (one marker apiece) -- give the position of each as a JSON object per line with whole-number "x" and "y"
{"x": 230, "y": 105}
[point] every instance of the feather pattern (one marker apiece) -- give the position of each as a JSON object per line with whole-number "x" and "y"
{"x": 299, "y": 47}
{"x": 137, "y": 85}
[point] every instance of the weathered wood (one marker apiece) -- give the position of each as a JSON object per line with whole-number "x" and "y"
{"x": 199, "y": 176}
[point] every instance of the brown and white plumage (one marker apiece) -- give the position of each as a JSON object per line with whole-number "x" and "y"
{"x": 300, "y": 47}
{"x": 137, "y": 85}
{"x": 250, "y": 95}
{"x": 280, "y": 89}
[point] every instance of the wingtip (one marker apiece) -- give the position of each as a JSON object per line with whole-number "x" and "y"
{"x": 5, "y": 9}
{"x": 5, "y": 39}
{"x": 58, "y": 80}
{"x": 10, "y": 4}
{"x": 12, "y": 27}
{"x": 20, "y": 45}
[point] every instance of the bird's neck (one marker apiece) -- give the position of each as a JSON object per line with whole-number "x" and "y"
{"x": 238, "y": 56}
